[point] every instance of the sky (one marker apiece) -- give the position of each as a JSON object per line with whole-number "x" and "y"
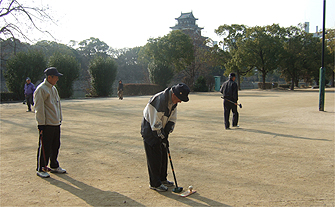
{"x": 130, "y": 23}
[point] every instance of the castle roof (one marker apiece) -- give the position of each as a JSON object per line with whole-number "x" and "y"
{"x": 186, "y": 16}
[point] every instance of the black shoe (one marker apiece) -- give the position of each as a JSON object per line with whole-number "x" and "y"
{"x": 161, "y": 188}
{"x": 167, "y": 183}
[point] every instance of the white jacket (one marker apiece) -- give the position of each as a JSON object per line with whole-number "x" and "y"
{"x": 47, "y": 105}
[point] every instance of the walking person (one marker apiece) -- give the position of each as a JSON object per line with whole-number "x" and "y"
{"x": 29, "y": 89}
{"x": 49, "y": 118}
{"x": 120, "y": 90}
{"x": 159, "y": 118}
{"x": 229, "y": 89}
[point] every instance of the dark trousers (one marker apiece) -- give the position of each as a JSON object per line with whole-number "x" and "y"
{"x": 48, "y": 147}
{"x": 157, "y": 163}
{"x": 29, "y": 99}
{"x": 227, "y": 107}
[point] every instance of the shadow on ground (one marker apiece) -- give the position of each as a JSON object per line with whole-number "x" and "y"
{"x": 91, "y": 195}
{"x": 281, "y": 135}
{"x": 194, "y": 200}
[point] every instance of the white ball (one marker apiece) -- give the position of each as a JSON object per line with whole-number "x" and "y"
{"x": 190, "y": 187}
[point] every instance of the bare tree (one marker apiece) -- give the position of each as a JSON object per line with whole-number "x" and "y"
{"x": 17, "y": 19}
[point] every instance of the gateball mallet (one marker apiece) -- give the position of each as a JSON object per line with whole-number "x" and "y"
{"x": 176, "y": 189}
{"x": 240, "y": 105}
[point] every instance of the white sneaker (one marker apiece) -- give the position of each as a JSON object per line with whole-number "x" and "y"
{"x": 43, "y": 174}
{"x": 58, "y": 170}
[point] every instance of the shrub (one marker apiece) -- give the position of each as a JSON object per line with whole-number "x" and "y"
{"x": 141, "y": 89}
{"x": 267, "y": 85}
{"x": 22, "y": 65}
{"x": 200, "y": 85}
{"x": 160, "y": 73}
{"x": 70, "y": 68}
{"x": 103, "y": 73}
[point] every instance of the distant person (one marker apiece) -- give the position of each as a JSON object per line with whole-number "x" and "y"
{"x": 29, "y": 89}
{"x": 48, "y": 114}
{"x": 120, "y": 90}
{"x": 159, "y": 118}
{"x": 229, "y": 89}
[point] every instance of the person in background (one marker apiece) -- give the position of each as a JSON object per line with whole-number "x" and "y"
{"x": 229, "y": 89}
{"x": 29, "y": 89}
{"x": 120, "y": 90}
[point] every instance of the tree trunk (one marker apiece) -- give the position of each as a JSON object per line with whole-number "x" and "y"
{"x": 263, "y": 85}
{"x": 238, "y": 80}
{"x": 292, "y": 84}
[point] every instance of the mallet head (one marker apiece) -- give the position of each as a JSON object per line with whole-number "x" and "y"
{"x": 177, "y": 189}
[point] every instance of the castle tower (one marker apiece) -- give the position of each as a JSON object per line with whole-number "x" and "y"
{"x": 186, "y": 23}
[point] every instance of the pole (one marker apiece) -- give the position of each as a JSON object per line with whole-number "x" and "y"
{"x": 322, "y": 69}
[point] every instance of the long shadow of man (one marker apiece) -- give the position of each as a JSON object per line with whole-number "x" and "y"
{"x": 92, "y": 196}
{"x": 201, "y": 201}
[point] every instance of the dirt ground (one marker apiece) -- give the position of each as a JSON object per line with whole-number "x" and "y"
{"x": 282, "y": 154}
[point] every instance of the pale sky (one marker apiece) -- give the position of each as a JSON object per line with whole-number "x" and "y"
{"x": 129, "y": 23}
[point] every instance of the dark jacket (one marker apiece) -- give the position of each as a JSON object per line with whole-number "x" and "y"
{"x": 158, "y": 120}
{"x": 229, "y": 90}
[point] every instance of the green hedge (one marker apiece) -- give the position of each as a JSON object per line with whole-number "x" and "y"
{"x": 285, "y": 85}
{"x": 141, "y": 89}
{"x": 9, "y": 97}
{"x": 268, "y": 85}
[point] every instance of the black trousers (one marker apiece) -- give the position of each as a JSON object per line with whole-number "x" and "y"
{"x": 157, "y": 163}
{"x": 48, "y": 147}
{"x": 29, "y": 100}
{"x": 227, "y": 107}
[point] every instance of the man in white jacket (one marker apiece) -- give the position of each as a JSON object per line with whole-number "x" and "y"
{"x": 159, "y": 118}
{"x": 49, "y": 117}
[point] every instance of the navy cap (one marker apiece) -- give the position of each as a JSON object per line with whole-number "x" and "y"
{"x": 52, "y": 71}
{"x": 181, "y": 91}
{"x": 232, "y": 75}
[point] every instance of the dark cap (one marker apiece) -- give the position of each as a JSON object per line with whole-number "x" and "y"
{"x": 181, "y": 91}
{"x": 52, "y": 71}
{"x": 232, "y": 75}
{"x": 27, "y": 78}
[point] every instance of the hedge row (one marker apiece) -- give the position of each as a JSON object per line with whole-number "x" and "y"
{"x": 141, "y": 89}
{"x": 268, "y": 85}
{"x": 5, "y": 96}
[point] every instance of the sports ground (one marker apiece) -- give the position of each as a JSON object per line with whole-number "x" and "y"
{"x": 281, "y": 155}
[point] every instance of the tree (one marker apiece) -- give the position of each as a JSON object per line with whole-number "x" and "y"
{"x": 15, "y": 16}
{"x": 160, "y": 73}
{"x": 70, "y": 68}
{"x": 311, "y": 56}
{"x": 291, "y": 59}
{"x": 234, "y": 35}
{"x": 174, "y": 49}
{"x": 261, "y": 48}
{"x": 93, "y": 46}
{"x": 330, "y": 39}
{"x": 103, "y": 72}
{"x": 129, "y": 67}
{"x": 19, "y": 67}
{"x": 200, "y": 85}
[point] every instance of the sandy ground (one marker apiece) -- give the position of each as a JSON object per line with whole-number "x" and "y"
{"x": 282, "y": 154}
